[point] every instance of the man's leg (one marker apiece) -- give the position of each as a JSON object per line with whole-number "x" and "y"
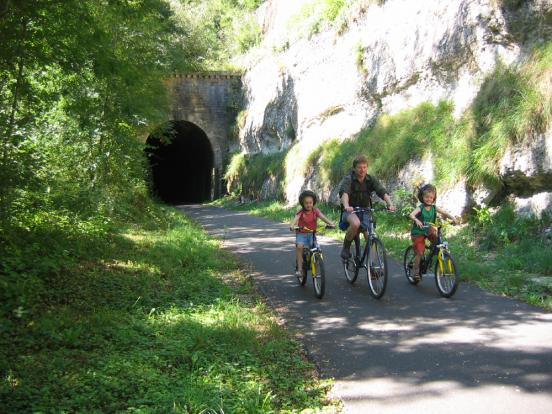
{"x": 354, "y": 224}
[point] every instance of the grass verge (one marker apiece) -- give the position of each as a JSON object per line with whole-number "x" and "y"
{"x": 499, "y": 251}
{"x": 141, "y": 319}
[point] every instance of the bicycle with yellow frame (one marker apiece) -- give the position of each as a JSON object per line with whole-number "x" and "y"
{"x": 313, "y": 260}
{"x": 438, "y": 256}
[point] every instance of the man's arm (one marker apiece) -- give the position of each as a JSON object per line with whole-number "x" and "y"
{"x": 345, "y": 202}
{"x": 344, "y": 191}
{"x": 382, "y": 193}
{"x": 389, "y": 202}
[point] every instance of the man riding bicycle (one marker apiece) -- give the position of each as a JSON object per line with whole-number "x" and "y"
{"x": 355, "y": 191}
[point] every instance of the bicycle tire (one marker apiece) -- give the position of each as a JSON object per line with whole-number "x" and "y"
{"x": 408, "y": 265}
{"x": 447, "y": 279}
{"x": 377, "y": 272}
{"x": 351, "y": 270}
{"x": 351, "y": 265}
{"x": 302, "y": 276}
{"x": 319, "y": 276}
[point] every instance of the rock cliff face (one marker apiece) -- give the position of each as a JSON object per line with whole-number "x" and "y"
{"x": 392, "y": 55}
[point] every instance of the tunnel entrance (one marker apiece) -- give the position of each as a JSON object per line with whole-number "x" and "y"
{"x": 181, "y": 163}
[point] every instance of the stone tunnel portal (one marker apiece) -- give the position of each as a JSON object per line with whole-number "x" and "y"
{"x": 181, "y": 163}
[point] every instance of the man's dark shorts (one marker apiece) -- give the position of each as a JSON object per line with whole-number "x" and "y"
{"x": 363, "y": 217}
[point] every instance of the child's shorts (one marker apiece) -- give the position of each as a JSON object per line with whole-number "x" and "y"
{"x": 418, "y": 242}
{"x": 303, "y": 239}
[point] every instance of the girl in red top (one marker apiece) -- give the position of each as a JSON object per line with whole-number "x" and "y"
{"x": 306, "y": 217}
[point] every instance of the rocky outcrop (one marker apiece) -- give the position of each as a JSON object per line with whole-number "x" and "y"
{"x": 391, "y": 56}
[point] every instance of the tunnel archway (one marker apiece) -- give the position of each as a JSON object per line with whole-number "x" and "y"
{"x": 181, "y": 163}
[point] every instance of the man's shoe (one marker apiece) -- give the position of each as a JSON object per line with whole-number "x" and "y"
{"x": 345, "y": 251}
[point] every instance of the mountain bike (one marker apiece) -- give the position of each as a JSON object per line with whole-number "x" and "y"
{"x": 373, "y": 259}
{"x": 445, "y": 270}
{"x": 313, "y": 260}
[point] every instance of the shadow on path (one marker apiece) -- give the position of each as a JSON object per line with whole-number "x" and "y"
{"x": 412, "y": 350}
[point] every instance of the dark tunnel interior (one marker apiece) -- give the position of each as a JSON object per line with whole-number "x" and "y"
{"x": 181, "y": 163}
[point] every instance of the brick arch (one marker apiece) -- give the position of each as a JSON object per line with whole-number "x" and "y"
{"x": 208, "y": 101}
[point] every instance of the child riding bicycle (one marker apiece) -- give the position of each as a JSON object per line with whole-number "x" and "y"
{"x": 306, "y": 219}
{"x": 423, "y": 214}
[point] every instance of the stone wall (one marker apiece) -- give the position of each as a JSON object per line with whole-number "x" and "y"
{"x": 208, "y": 100}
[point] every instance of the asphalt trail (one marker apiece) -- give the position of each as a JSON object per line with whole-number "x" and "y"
{"x": 409, "y": 352}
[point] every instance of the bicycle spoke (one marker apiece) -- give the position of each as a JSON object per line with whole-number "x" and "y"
{"x": 446, "y": 275}
{"x": 351, "y": 270}
{"x": 377, "y": 269}
{"x": 319, "y": 276}
{"x": 408, "y": 265}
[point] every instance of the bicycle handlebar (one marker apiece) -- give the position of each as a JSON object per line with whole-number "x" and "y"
{"x": 369, "y": 209}
{"x": 296, "y": 228}
{"x": 438, "y": 225}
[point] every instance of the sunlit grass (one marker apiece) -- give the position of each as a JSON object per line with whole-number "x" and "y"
{"x": 150, "y": 320}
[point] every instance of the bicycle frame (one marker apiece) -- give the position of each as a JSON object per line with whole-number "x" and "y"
{"x": 445, "y": 270}
{"x": 437, "y": 248}
{"x": 309, "y": 252}
{"x": 370, "y": 231}
{"x": 312, "y": 255}
{"x": 373, "y": 259}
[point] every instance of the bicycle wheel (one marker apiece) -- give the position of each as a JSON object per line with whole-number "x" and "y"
{"x": 377, "y": 269}
{"x": 446, "y": 275}
{"x": 408, "y": 265}
{"x": 302, "y": 276}
{"x": 319, "y": 276}
{"x": 351, "y": 270}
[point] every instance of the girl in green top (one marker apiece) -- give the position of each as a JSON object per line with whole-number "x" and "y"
{"x": 421, "y": 215}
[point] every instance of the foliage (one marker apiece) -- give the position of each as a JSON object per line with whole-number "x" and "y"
{"x": 509, "y": 107}
{"x": 398, "y": 139}
{"x": 220, "y": 29}
{"x": 103, "y": 318}
{"x": 313, "y": 16}
{"x": 246, "y": 173}
{"x": 359, "y": 58}
{"x": 81, "y": 81}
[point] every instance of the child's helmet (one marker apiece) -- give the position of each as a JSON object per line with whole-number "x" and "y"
{"x": 307, "y": 193}
{"x": 425, "y": 188}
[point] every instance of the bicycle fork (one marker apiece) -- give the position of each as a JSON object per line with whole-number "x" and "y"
{"x": 443, "y": 249}
{"x": 313, "y": 258}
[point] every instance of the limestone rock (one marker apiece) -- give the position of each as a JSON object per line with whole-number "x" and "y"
{"x": 393, "y": 55}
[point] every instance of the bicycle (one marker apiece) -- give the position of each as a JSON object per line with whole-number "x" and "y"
{"x": 445, "y": 270}
{"x": 313, "y": 259}
{"x": 373, "y": 259}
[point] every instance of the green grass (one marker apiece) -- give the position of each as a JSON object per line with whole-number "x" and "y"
{"x": 247, "y": 172}
{"x": 499, "y": 251}
{"x": 149, "y": 318}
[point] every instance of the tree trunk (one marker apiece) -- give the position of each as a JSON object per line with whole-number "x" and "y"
{"x": 8, "y": 130}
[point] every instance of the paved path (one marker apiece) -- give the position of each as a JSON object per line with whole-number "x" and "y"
{"x": 410, "y": 352}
